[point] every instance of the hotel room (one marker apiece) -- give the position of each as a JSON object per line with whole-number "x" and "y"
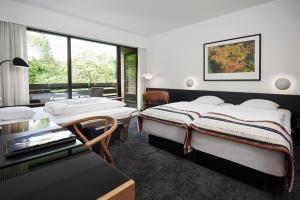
{"x": 138, "y": 99}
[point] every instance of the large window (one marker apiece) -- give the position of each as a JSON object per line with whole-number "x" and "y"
{"x": 48, "y": 72}
{"x": 129, "y": 66}
{"x": 94, "y": 69}
{"x": 63, "y": 66}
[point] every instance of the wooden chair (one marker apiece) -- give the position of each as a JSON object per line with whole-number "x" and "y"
{"x": 155, "y": 98}
{"x": 108, "y": 124}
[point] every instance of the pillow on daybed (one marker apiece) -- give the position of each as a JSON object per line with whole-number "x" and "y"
{"x": 260, "y": 104}
{"x": 19, "y": 112}
{"x": 213, "y": 100}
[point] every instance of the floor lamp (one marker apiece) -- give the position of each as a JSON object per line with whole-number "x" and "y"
{"x": 19, "y": 62}
{"x": 148, "y": 77}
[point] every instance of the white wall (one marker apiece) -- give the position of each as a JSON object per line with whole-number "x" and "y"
{"x": 176, "y": 55}
{"x": 19, "y": 13}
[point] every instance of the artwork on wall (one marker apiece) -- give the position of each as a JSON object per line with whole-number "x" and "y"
{"x": 236, "y": 59}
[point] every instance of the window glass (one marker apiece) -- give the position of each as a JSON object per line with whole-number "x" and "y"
{"x": 48, "y": 73}
{"x": 94, "y": 69}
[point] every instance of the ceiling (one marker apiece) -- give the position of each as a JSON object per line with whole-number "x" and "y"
{"x": 144, "y": 17}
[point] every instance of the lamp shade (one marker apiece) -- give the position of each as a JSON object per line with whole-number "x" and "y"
{"x": 190, "y": 82}
{"x": 282, "y": 83}
{"x": 19, "y": 62}
{"x": 148, "y": 76}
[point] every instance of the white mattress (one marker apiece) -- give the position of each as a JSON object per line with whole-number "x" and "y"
{"x": 267, "y": 161}
{"x": 118, "y": 113}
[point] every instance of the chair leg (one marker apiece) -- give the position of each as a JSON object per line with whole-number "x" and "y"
{"x": 107, "y": 154}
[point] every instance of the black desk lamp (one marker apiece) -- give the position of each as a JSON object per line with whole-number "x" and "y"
{"x": 17, "y": 62}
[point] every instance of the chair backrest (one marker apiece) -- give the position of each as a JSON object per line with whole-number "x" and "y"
{"x": 151, "y": 97}
{"x": 108, "y": 124}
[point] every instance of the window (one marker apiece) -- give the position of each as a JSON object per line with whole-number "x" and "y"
{"x": 63, "y": 66}
{"x": 47, "y": 57}
{"x": 94, "y": 69}
{"x": 129, "y": 65}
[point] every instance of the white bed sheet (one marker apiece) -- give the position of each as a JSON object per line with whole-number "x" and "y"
{"x": 118, "y": 113}
{"x": 82, "y": 105}
{"x": 174, "y": 133}
{"x": 264, "y": 160}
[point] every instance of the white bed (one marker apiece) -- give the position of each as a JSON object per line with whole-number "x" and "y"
{"x": 264, "y": 160}
{"x": 122, "y": 114}
{"x": 175, "y": 133}
{"x": 118, "y": 113}
{"x": 267, "y": 161}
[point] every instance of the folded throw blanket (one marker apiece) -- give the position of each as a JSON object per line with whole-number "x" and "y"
{"x": 75, "y": 106}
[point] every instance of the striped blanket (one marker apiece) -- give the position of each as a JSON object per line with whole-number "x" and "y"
{"x": 172, "y": 114}
{"x": 265, "y": 134}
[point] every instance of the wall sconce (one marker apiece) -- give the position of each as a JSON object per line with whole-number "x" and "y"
{"x": 190, "y": 82}
{"x": 282, "y": 83}
{"x": 148, "y": 76}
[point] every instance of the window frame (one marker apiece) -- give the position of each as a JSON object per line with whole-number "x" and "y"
{"x": 69, "y": 56}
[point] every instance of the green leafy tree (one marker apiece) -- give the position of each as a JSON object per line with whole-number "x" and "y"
{"x": 87, "y": 67}
{"x": 44, "y": 68}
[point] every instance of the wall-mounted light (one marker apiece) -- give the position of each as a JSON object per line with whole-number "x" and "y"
{"x": 190, "y": 82}
{"x": 148, "y": 76}
{"x": 282, "y": 83}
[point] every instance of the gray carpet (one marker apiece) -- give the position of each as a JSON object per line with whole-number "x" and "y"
{"x": 160, "y": 175}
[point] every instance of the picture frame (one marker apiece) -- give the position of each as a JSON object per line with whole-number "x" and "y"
{"x": 235, "y": 59}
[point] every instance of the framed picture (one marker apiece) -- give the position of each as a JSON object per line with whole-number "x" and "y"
{"x": 236, "y": 59}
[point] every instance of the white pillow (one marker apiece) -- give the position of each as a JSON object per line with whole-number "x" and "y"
{"x": 19, "y": 112}
{"x": 260, "y": 104}
{"x": 213, "y": 100}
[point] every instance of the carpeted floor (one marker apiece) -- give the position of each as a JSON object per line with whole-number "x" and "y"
{"x": 160, "y": 175}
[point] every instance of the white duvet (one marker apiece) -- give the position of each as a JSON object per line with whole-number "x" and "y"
{"x": 84, "y": 105}
{"x": 179, "y": 112}
{"x": 192, "y": 106}
{"x": 252, "y": 114}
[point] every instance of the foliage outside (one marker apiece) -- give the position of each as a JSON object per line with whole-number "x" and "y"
{"x": 130, "y": 73}
{"x": 87, "y": 67}
{"x": 231, "y": 58}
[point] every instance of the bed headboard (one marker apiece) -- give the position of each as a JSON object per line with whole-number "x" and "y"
{"x": 290, "y": 102}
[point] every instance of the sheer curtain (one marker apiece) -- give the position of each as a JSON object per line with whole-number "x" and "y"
{"x": 142, "y": 69}
{"x": 14, "y": 86}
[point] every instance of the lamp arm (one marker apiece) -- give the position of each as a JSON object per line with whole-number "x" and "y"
{"x": 4, "y": 61}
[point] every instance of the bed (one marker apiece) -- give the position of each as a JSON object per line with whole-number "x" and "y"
{"x": 197, "y": 135}
{"x": 62, "y": 114}
{"x": 256, "y": 138}
{"x": 171, "y": 121}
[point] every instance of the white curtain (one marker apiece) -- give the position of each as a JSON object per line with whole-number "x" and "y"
{"x": 14, "y": 86}
{"x": 142, "y": 69}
